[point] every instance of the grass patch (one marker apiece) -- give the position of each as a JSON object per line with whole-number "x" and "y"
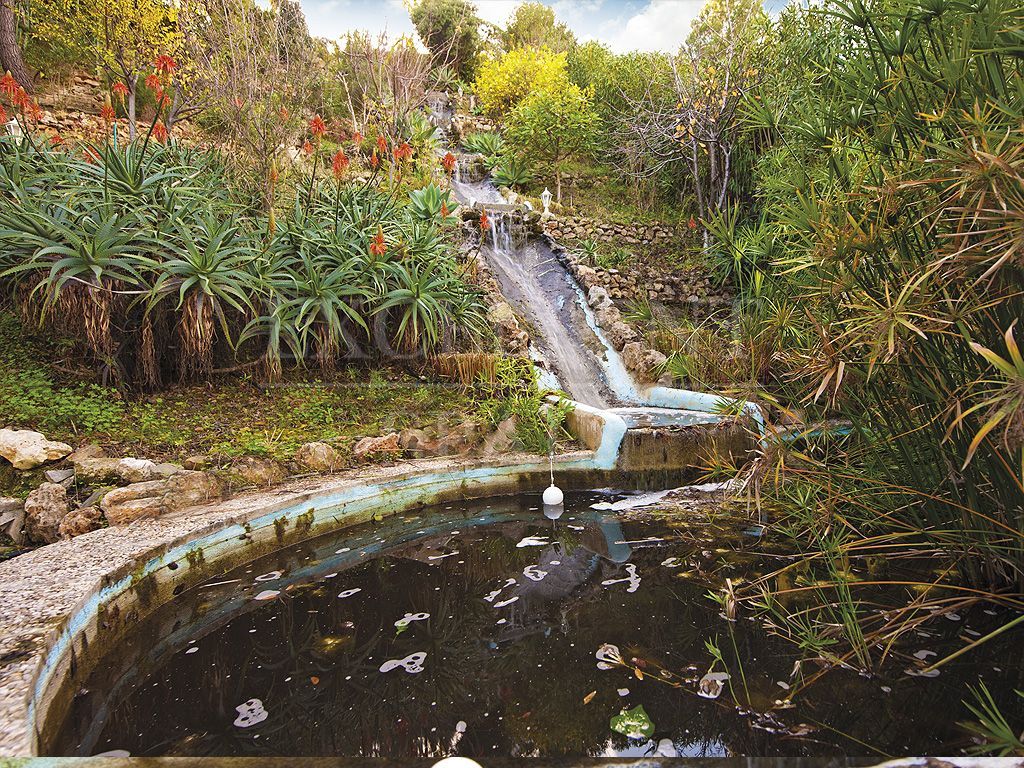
{"x": 229, "y": 416}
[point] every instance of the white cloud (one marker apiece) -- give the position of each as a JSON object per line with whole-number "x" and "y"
{"x": 661, "y": 26}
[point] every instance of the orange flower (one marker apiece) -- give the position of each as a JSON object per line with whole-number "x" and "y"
{"x": 444, "y": 210}
{"x": 3, "y": 114}
{"x": 382, "y": 145}
{"x": 374, "y": 160}
{"x": 160, "y": 131}
{"x": 20, "y": 99}
{"x": 283, "y": 113}
{"x": 378, "y": 247}
{"x": 339, "y": 164}
{"x": 8, "y": 85}
{"x": 317, "y": 126}
{"x": 484, "y": 221}
{"x": 165, "y": 65}
{"x": 107, "y": 113}
{"x": 357, "y": 138}
{"x": 403, "y": 152}
{"x": 120, "y": 90}
{"x": 153, "y": 83}
{"x": 692, "y": 223}
{"x": 57, "y": 140}
{"x": 448, "y": 161}
{"x": 307, "y": 147}
{"x": 33, "y": 111}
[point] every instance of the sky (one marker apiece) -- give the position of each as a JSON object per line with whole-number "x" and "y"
{"x": 623, "y": 25}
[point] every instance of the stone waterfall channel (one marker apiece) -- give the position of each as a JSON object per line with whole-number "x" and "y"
{"x": 571, "y": 352}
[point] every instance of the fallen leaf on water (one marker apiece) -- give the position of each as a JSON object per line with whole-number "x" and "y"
{"x": 638, "y": 674}
{"x": 589, "y": 697}
{"x": 314, "y": 680}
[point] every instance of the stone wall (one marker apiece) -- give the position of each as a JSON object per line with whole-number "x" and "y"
{"x": 571, "y": 230}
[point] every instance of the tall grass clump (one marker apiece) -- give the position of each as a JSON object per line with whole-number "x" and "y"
{"x": 889, "y": 232}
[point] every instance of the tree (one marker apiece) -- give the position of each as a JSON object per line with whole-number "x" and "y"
{"x": 450, "y": 29}
{"x": 505, "y": 81}
{"x": 533, "y": 25}
{"x": 124, "y": 36}
{"x": 10, "y": 51}
{"x": 553, "y": 125}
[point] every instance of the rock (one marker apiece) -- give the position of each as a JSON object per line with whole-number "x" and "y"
{"x": 127, "y": 470}
{"x": 79, "y": 521}
{"x": 26, "y": 449}
{"x": 258, "y": 471}
{"x": 642, "y": 360}
{"x": 59, "y": 476}
{"x": 598, "y": 296}
{"x": 197, "y": 462}
{"x": 620, "y": 334}
{"x": 156, "y": 497}
{"x": 368, "y": 446}
{"x": 318, "y": 457}
{"x": 167, "y": 469}
{"x": 45, "y": 508}
{"x": 502, "y": 439}
{"x": 417, "y": 443}
{"x": 87, "y": 451}
{"x": 12, "y": 518}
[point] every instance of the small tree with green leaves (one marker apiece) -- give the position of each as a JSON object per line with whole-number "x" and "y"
{"x": 451, "y": 31}
{"x": 552, "y": 126}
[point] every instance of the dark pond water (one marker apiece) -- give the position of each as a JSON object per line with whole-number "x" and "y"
{"x": 475, "y": 630}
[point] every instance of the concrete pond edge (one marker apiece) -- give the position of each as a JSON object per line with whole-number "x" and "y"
{"x": 63, "y": 605}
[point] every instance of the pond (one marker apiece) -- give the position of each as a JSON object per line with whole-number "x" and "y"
{"x": 486, "y": 629}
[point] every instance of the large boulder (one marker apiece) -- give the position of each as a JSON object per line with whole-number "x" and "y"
{"x": 26, "y": 449}
{"x": 156, "y": 497}
{"x": 318, "y": 457}
{"x": 79, "y": 521}
{"x": 45, "y": 508}
{"x": 377, "y": 446}
{"x": 12, "y": 518}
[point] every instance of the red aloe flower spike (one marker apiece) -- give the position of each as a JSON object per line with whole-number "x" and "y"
{"x": 382, "y": 145}
{"x": 8, "y": 85}
{"x": 484, "y": 221}
{"x": 357, "y": 138}
{"x": 283, "y": 113}
{"x": 403, "y": 152}
{"x": 56, "y": 140}
{"x": 153, "y": 83}
{"x": 448, "y": 161}
{"x": 165, "y": 64}
{"x": 378, "y": 247}
{"x": 692, "y": 223}
{"x": 374, "y": 160}
{"x": 20, "y": 99}
{"x": 317, "y": 126}
{"x": 444, "y": 210}
{"x": 120, "y": 90}
{"x": 107, "y": 113}
{"x": 339, "y": 164}
{"x": 160, "y": 131}
{"x": 307, "y": 147}
{"x": 34, "y": 112}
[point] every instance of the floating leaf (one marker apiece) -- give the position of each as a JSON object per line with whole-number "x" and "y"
{"x": 633, "y": 723}
{"x": 589, "y": 697}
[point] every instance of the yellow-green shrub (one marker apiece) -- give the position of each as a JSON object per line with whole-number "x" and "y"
{"x": 505, "y": 81}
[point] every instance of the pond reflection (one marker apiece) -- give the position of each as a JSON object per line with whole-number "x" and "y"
{"x": 474, "y": 630}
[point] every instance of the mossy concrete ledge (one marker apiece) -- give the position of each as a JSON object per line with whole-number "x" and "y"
{"x": 62, "y": 606}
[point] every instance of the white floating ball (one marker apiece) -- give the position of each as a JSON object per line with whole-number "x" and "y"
{"x": 456, "y": 762}
{"x": 553, "y": 495}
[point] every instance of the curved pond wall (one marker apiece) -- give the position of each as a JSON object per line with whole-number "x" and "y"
{"x": 64, "y": 605}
